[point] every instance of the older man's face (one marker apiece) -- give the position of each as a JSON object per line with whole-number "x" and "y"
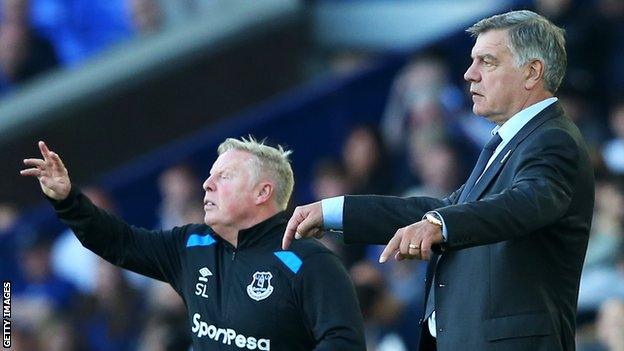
{"x": 229, "y": 199}
{"x": 497, "y": 86}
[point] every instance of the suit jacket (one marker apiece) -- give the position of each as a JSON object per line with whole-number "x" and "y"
{"x": 508, "y": 276}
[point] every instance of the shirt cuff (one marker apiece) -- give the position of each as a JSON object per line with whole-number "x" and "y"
{"x": 332, "y": 212}
{"x": 66, "y": 203}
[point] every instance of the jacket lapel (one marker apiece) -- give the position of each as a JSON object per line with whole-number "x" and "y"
{"x": 549, "y": 112}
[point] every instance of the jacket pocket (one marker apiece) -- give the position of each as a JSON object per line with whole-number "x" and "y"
{"x": 517, "y": 326}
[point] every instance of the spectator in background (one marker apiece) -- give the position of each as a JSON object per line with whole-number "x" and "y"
{"x": 181, "y": 202}
{"x": 610, "y": 325}
{"x": 8, "y": 216}
{"x": 73, "y": 262}
{"x": 23, "y": 53}
{"x": 595, "y": 43}
{"x": 605, "y": 280}
{"x": 24, "y": 338}
{"x": 147, "y": 16}
{"x": 613, "y": 150}
{"x": 435, "y": 164}
{"x": 423, "y": 102}
{"x": 166, "y": 326}
{"x": 42, "y": 293}
{"x": 59, "y": 334}
{"x": 112, "y": 314}
{"x": 11, "y": 231}
{"x": 607, "y": 234}
{"x": 94, "y": 26}
{"x": 586, "y": 117}
{"x": 586, "y": 49}
{"x": 365, "y": 160}
{"x": 366, "y": 166}
{"x": 423, "y": 77}
{"x": 611, "y": 16}
{"x": 330, "y": 179}
{"x": 384, "y": 315}
{"x": 84, "y": 28}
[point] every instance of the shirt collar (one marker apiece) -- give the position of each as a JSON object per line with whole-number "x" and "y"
{"x": 513, "y": 125}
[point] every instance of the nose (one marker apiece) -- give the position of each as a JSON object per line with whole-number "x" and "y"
{"x": 208, "y": 184}
{"x": 472, "y": 74}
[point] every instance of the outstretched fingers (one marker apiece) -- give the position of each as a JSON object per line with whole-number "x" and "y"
{"x": 57, "y": 163}
{"x": 31, "y": 172}
{"x": 50, "y": 171}
{"x": 37, "y": 166}
{"x": 34, "y": 162}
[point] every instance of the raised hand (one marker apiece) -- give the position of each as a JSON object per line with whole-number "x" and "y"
{"x": 50, "y": 172}
{"x": 306, "y": 221}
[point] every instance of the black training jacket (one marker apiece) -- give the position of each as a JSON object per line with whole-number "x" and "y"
{"x": 253, "y": 297}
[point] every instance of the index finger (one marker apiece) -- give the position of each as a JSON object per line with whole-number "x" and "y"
{"x": 391, "y": 247}
{"x": 289, "y": 233}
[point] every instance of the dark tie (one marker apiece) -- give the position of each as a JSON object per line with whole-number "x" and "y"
{"x": 484, "y": 157}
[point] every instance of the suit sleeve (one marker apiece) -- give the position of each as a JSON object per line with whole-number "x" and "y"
{"x": 539, "y": 195}
{"x": 329, "y": 302}
{"x": 373, "y": 219}
{"x": 155, "y": 254}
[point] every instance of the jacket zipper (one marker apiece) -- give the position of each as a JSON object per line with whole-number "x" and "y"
{"x": 228, "y": 284}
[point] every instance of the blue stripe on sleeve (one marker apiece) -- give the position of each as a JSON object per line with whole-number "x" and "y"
{"x": 290, "y": 259}
{"x": 200, "y": 240}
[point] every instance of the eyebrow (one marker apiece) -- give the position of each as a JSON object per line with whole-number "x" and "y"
{"x": 228, "y": 170}
{"x": 488, "y": 57}
{"x": 220, "y": 171}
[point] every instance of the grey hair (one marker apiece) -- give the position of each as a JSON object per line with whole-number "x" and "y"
{"x": 270, "y": 161}
{"x": 531, "y": 37}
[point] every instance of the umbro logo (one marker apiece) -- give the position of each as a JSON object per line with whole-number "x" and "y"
{"x": 201, "y": 286}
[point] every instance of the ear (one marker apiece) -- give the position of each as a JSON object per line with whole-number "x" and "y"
{"x": 533, "y": 74}
{"x": 264, "y": 192}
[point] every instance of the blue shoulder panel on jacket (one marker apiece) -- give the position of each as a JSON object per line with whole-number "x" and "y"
{"x": 200, "y": 240}
{"x": 290, "y": 259}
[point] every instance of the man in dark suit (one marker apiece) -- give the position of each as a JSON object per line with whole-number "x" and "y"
{"x": 505, "y": 249}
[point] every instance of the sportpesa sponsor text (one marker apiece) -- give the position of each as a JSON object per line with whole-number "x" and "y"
{"x": 228, "y": 336}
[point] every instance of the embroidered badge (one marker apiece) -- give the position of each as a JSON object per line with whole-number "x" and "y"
{"x": 260, "y": 287}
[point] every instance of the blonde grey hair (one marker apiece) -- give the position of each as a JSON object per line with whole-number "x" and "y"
{"x": 269, "y": 161}
{"x": 531, "y": 37}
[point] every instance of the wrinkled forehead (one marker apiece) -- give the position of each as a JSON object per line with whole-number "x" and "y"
{"x": 233, "y": 161}
{"x": 492, "y": 42}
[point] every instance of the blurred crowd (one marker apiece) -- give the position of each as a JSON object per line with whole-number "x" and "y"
{"x": 37, "y": 36}
{"x": 428, "y": 139}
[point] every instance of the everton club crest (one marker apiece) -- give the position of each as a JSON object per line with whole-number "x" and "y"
{"x": 260, "y": 288}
